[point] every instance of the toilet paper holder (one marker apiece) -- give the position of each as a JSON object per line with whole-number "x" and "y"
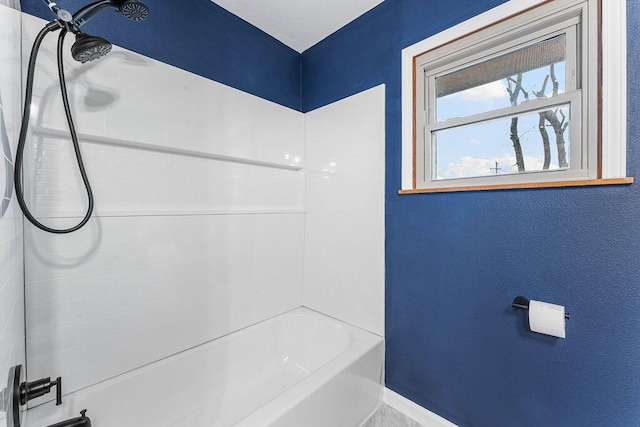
{"x": 523, "y": 303}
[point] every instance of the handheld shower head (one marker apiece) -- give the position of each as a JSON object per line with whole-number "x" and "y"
{"x": 134, "y": 10}
{"x": 87, "y": 48}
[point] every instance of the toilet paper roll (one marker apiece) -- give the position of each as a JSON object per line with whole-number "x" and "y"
{"x": 547, "y": 318}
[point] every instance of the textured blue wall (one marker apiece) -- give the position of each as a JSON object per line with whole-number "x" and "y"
{"x": 203, "y": 38}
{"x": 456, "y": 261}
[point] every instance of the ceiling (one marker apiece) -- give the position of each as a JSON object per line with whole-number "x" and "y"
{"x": 298, "y": 23}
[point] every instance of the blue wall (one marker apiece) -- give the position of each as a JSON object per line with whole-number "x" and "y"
{"x": 456, "y": 261}
{"x": 203, "y": 38}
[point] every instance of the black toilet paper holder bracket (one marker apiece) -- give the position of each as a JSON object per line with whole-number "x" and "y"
{"x": 523, "y": 303}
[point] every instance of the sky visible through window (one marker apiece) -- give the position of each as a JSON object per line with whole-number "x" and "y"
{"x": 486, "y": 148}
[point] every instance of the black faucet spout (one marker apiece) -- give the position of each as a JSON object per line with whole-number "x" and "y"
{"x": 81, "y": 421}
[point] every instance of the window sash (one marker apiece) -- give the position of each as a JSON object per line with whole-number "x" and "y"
{"x": 577, "y": 154}
{"x": 525, "y": 107}
{"x": 536, "y": 55}
{"x": 578, "y": 151}
{"x": 427, "y": 122}
{"x": 572, "y": 73}
{"x": 446, "y": 59}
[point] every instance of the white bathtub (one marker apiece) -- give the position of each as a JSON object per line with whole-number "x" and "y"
{"x": 298, "y": 369}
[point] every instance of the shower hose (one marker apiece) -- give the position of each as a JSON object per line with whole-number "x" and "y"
{"x": 52, "y": 26}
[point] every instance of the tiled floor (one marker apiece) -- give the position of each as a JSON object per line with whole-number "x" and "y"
{"x": 386, "y": 416}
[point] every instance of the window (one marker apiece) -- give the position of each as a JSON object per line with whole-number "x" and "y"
{"x": 515, "y": 103}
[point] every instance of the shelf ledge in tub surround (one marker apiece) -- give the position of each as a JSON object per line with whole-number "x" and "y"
{"x": 165, "y": 213}
{"x": 115, "y": 142}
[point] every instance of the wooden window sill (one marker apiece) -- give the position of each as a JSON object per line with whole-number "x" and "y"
{"x": 552, "y": 184}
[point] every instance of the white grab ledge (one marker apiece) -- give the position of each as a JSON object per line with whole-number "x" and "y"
{"x": 136, "y": 145}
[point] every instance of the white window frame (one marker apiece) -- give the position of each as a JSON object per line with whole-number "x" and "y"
{"x": 613, "y": 162}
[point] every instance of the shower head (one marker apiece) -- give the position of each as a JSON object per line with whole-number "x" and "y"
{"x": 131, "y": 9}
{"x": 134, "y": 10}
{"x": 87, "y": 48}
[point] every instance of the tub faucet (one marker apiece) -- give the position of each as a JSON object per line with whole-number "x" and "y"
{"x": 81, "y": 421}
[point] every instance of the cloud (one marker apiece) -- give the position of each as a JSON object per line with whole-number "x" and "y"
{"x": 487, "y": 92}
{"x": 469, "y": 166}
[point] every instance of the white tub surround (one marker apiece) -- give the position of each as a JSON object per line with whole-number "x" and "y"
{"x": 200, "y": 230}
{"x": 12, "y": 351}
{"x": 344, "y": 241}
{"x": 300, "y": 368}
{"x": 199, "y": 220}
{"x": 14, "y": 4}
{"x": 157, "y": 140}
{"x": 124, "y": 292}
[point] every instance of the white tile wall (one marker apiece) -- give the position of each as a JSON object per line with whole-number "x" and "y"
{"x": 128, "y": 291}
{"x": 344, "y": 243}
{"x": 129, "y": 96}
{"x": 183, "y": 249}
{"x": 132, "y": 181}
{"x": 11, "y": 260}
{"x": 15, "y": 4}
